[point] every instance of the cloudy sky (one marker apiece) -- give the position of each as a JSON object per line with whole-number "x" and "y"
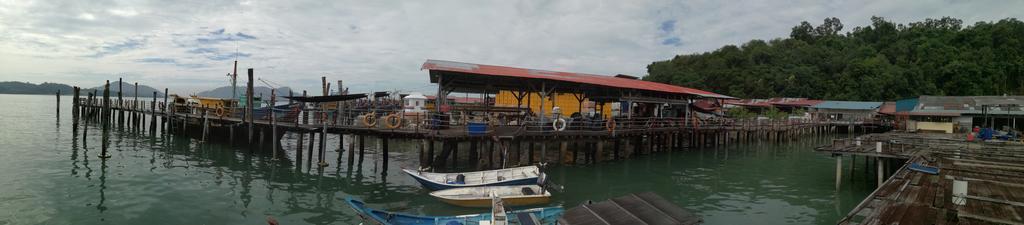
{"x": 189, "y": 45}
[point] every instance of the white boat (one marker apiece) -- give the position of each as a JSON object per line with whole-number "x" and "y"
{"x": 516, "y": 195}
{"x": 509, "y": 176}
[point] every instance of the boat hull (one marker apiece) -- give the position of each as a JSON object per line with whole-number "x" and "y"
{"x": 500, "y": 177}
{"x": 547, "y": 215}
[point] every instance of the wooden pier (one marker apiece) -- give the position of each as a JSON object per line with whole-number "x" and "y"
{"x": 525, "y": 140}
{"x": 976, "y": 182}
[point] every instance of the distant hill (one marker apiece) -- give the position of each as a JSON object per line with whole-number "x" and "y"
{"x": 17, "y": 87}
{"x": 129, "y": 90}
{"x": 225, "y": 92}
{"x": 880, "y": 61}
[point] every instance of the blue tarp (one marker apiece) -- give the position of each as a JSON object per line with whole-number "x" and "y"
{"x": 906, "y": 105}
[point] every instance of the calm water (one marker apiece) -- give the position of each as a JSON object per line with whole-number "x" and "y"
{"x": 49, "y": 176}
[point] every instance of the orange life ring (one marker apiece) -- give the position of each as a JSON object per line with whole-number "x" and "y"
{"x": 220, "y": 111}
{"x": 370, "y": 120}
{"x": 392, "y": 121}
{"x": 610, "y": 125}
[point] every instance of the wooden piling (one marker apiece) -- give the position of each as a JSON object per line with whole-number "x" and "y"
{"x": 273, "y": 122}
{"x": 120, "y": 102}
{"x": 430, "y": 152}
{"x": 362, "y": 148}
{"x": 58, "y": 105}
{"x": 474, "y": 157}
{"x": 106, "y": 121}
{"x": 839, "y": 171}
{"x": 248, "y": 105}
{"x": 309, "y": 151}
{"x": 384, "y": 147}
{"x": 351, "y": 150}
{"x": 152, "y": 115}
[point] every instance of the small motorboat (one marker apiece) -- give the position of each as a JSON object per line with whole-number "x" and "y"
{"x": 548, "y": 215}
{"x": 500, "y": 177}
{"x": 516, "y": 195}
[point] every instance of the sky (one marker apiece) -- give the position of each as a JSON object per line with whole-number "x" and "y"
{"x": 189, "y": 46}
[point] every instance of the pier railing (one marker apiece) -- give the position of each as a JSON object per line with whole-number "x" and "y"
{"x": 313, "y": 116}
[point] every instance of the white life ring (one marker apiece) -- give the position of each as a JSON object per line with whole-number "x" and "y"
{"x": 554, "y": 124}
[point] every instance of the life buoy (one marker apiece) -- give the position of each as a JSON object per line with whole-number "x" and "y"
{"x": 392, "y": 121}
{"x": 220, "y": 111}
{"x": 554, "y": 124}
{"x": 610, "y": 124}
{"x": 370, "y": 120}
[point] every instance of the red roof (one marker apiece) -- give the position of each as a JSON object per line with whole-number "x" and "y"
{"x": 608, "y": 81}
{"x": 801, "y": 102}
{"x": 888, "y": 108}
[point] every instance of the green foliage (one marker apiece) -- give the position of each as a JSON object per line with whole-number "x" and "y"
{"x": 775, "y": 114}
{"x": 883, "y": 61}
{"x": 740, "y": 113}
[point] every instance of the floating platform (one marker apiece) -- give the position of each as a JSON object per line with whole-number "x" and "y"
{"x": 640, "y": 208}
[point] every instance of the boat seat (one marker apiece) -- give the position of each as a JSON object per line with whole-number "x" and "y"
{"x": 528, "y": 191}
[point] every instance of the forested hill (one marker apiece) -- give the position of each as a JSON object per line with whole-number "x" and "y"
{"x": 883, "y": 61}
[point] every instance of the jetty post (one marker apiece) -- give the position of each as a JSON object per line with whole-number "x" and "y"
{"x": 58, "y": 104}
{"x": 248, "y": 104}
{"x": 384, "y": 147}
{"x": 135, "y": 109}
{"x": 273, "y": 121}
{"x": 106, "y": 121}
{"x": 303, "y": 119}
{"x": 120, "y": 103}
{"x": 152, "y": 115}
{"x": 163, "y": 121}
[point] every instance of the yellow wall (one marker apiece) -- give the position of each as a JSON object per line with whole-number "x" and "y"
{"x": 566, "y": 101}
{"x": 936, "y": 126}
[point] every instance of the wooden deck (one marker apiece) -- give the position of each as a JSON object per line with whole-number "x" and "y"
{"x": 994, "y": 172}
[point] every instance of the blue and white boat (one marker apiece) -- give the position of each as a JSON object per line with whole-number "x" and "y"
{"x": 501, "y": 177}
{"x": 546, "y": 216}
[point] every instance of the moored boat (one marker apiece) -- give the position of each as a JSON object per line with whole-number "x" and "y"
{"x": 509, "y": 176}
{"x": 516, "y": 195}
{"x": 547, "y": 215}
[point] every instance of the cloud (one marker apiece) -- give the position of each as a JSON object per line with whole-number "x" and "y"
{"x": 170, "y": 61}
{"x": 380, "y": 45}
{"x": 668, "y": 26}
{"x": 123, "y": 12}
{"x": 155, "y": 60}
{"x": 87, "y": 16}
{"x": 218, "y": 36}
{"x": 202, "y": 50}
{"x": 673, "y": 41}
{"x": 117, "y": 47}
{"x": 233, "y": 55}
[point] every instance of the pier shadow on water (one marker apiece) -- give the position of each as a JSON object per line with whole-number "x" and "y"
{"x": 52, "y": 175}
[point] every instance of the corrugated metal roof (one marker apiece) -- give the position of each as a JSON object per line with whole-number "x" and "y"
{"x": 608, "y": 81}
{"x": 851, "y": 105}
{"x": 887, "y": 108}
